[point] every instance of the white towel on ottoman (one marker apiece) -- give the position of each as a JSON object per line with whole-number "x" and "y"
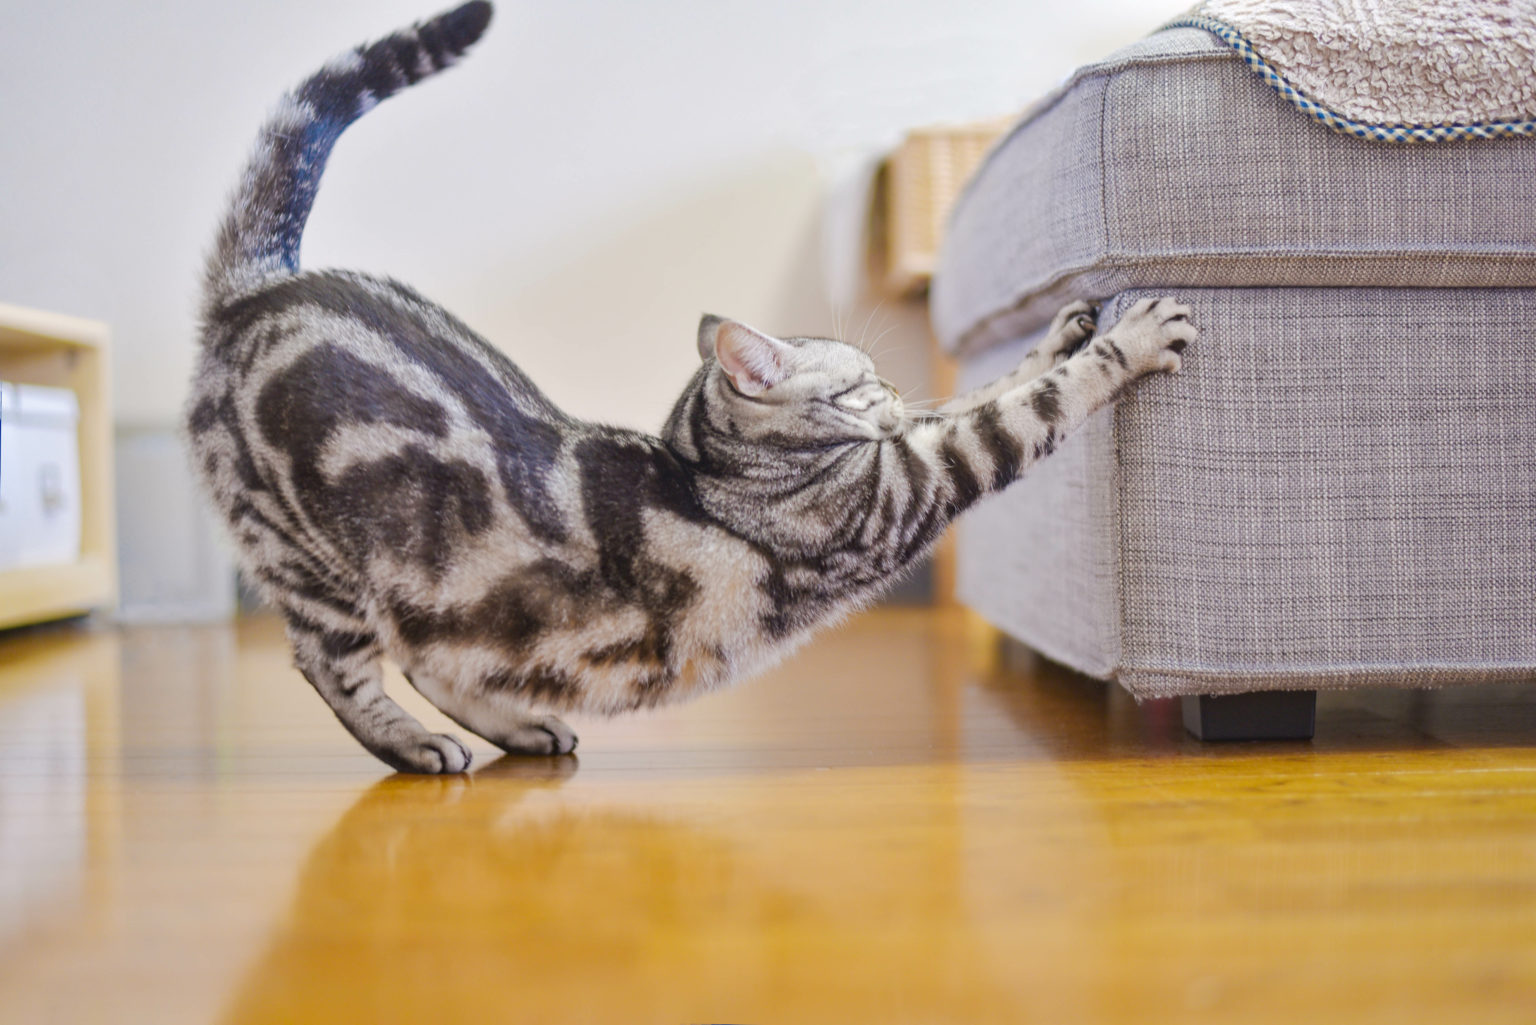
{"x": 1431, "y": 69}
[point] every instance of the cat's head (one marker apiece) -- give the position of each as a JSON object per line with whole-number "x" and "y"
{"x": 796, "y": 392}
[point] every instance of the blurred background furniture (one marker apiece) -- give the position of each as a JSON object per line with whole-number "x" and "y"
{"x": 69, "y": 354}
{"x": 915, "y": 188}
{"x": 1340, "y": 490}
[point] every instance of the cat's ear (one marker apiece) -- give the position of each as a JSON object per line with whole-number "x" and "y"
{"x": 754, "y": 361}
{"x": 708, "y": 325}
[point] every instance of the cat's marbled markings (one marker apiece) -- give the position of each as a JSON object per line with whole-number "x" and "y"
{"x": 397, "y": 487}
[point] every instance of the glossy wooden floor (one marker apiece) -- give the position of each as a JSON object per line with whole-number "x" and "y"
{"x": 888, "y": 829}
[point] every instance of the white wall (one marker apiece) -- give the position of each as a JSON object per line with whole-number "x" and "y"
{"x": 589, "y": 181}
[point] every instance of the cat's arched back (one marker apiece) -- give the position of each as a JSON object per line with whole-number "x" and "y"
{"x": 398, "y": 488}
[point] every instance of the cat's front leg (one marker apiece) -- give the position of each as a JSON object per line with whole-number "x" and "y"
{"x": 1148, "y": 339}
{"x": 989, "y": 446}
{"x": 940, "y": 467}
{"x": 1072, "y": 326}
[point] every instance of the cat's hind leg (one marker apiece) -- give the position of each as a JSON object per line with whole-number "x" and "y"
{"x": 504, "y": 722}
{"x": 340, "y": 657}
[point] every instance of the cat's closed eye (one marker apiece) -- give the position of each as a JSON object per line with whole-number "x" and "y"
{"x": 860, "y": 397}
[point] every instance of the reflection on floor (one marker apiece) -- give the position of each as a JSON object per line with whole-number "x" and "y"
{"x": 892, "y": 827}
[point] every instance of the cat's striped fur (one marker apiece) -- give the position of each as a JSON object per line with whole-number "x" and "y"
{"x": 397, "y": 487}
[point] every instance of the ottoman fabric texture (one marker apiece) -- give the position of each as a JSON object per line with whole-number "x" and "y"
{"x": 1171, "y": 164}
{"x": 1338, "y": 491}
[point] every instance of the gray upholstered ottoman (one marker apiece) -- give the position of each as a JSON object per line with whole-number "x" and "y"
{"x": 1340, "y": 489}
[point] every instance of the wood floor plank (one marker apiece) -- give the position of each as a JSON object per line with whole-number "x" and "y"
{"x": 892, "y": 827}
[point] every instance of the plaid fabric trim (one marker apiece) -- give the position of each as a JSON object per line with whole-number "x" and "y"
{"x": 1338, "y": 122}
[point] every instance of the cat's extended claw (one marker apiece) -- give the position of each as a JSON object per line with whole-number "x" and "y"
{"x": 1153, "y": 334}
{"x": 1072, "y": 326}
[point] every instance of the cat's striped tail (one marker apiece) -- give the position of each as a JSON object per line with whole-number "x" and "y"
{"x": 259, "y": 239}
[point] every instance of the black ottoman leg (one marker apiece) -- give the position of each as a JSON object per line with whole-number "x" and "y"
{"x": 1259, "y": 715}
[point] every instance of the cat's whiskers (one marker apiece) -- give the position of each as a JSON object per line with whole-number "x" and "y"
{"x": 875, "y": 354}
{"x": 863, "y": 334}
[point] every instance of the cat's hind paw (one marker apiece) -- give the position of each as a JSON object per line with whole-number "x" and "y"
{"x": 544, "y": 735}
{"x": 563, "y": 739}
{"x": 432, "y": 754}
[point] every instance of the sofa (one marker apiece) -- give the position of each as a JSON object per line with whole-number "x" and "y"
{"x": 1340, "y": 488}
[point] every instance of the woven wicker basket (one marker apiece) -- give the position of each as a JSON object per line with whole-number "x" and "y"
{"x": 920, "y": 182}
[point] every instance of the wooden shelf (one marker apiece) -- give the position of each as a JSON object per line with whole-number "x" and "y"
{"x": 39, "y": 593}
{"x": 37, "y": 347}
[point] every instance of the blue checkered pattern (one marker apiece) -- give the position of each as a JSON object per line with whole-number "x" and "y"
{"x": 1338, "y": 122}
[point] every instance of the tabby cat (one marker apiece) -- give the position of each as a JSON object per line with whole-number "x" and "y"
{"x": 396, "y": 486}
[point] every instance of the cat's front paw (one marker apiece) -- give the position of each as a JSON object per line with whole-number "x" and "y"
{"x": 1073, "y": 325}
{"x": 1152, "y": 335}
